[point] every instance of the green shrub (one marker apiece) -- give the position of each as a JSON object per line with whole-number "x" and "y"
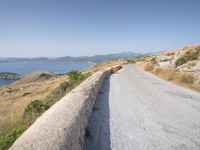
{"x": 8, "y": 139}
{"x": 34, "y": 110}
{"x": 57, "y": 93}
{"x": 36, "y": 107}
{"x": 181, "y": 61}
{"x": 153, "y": 61}
{"x": 189, "y": 56}
{"x": 25, "y": 94}
{"x": 76, "y": 76}
{"x": 130, "y": 61}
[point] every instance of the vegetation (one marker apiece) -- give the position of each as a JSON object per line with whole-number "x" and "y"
{"x": 187, "y": 78}
{"x": 57, "y": 94}
{"x": 75, "y": 76}
{"x": 180, "y": 78}
{"x": 148, "y": 67}
{"x": 153, "y": 60}
{"x": 27, "y": 93}
{"x": 176, "y": 76}
{"x": 34, "y": 110}
{"x": 169, "y": 53}
{"x": 131, "y": 61}
{"x": 189, "y": 56}
{"x": 35, "y": 97}
{"x": 6, "y": 140}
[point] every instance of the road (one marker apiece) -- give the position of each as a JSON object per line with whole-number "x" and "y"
{"x": 136, "y": 110}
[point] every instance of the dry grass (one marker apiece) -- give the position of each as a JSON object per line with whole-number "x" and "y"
{"x": 148, "y": 67}
{"x": 172, "y": 75}
{"x": 181, "y": 78}
{"x": 169, "y": 53}
{"x": 13, "y": 104}
{"x": 15, "y": 97}
{"x": 25, "y": 100}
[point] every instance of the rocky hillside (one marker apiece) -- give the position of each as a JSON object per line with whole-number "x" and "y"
{"x": 186, "y": 59}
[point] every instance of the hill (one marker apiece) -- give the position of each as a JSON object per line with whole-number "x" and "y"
{"x": 95, "y": 58}
{"x": 181, "y": 66}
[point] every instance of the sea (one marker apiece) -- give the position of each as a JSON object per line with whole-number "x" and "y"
{"x": 23, "y": 67}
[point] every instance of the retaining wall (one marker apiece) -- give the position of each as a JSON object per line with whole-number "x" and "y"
{"x": 63, "y": 125}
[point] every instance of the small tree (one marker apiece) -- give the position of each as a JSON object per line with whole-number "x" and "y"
{"x": 76, "y": 76}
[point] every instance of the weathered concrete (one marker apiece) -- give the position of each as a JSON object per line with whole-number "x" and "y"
{"x": 63, "y": 125}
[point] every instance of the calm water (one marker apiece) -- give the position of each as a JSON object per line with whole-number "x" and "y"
{"x": 29, "y": 66}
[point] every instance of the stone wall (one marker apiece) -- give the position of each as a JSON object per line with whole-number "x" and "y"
{"x": 63, "y": 125}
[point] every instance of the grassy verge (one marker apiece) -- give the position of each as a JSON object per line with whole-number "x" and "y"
{"x": 180, "y": 78}
{"x": 35, "y": 108}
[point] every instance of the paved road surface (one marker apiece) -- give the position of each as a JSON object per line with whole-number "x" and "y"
{"x": 136, "y": 110}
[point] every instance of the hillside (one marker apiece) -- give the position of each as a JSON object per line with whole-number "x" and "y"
{"x": 95, "y": 58}
{"x": 181, "y": 66}
{"x": 26, "y": 99}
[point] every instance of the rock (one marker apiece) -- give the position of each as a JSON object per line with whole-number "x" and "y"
{"x": 166, "y": 64}
{"x": 165, "y": 58}
{"x": 191, "y": 65}
{"x": 9, "y": 76}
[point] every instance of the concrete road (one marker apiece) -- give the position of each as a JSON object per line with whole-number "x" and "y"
{"x": 136, "y": 110}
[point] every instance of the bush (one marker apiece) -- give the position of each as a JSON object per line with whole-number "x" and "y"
{"x": 187, "y": 78}
{"x": 76, "y": 76}
{"x": 181, "y": 61}
{"x": 8, "y": 139}
{"x": 130, "y": 61}
{"x": 149, "y": 67}
{"x": 36, "y": 107}
{"x": 25, "y": 94}
{"x": 189, "y": 56}
{"x": 153, "y": 61}
{"x": 57, "y": 93}
{"x": 34, "y": 110}
{"x": 170, "y": 53}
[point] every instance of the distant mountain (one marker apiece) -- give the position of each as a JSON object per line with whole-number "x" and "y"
{"x": 99, "y": 58}
{"x": 95, "y": 58}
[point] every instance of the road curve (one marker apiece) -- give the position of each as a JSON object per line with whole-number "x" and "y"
{"x": 136, "y": 110}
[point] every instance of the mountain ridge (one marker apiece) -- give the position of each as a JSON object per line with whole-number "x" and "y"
{"x": 95, "y": 58}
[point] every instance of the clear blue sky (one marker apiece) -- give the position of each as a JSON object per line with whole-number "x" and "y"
{"x": 32, "y": 28}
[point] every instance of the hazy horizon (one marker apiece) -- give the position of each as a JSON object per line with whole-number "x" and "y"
{"x": 51, "y": 28}
{"x": 73, "y": 56}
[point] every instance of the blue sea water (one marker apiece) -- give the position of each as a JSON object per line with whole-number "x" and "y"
{"x": 29, "y": 66}
{"x": 6, "y": 82}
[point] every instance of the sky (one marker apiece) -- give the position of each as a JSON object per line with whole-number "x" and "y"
{"x": 53, "y": 28}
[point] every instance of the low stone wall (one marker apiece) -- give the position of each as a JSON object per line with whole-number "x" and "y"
{"x": 63, "y": 125}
